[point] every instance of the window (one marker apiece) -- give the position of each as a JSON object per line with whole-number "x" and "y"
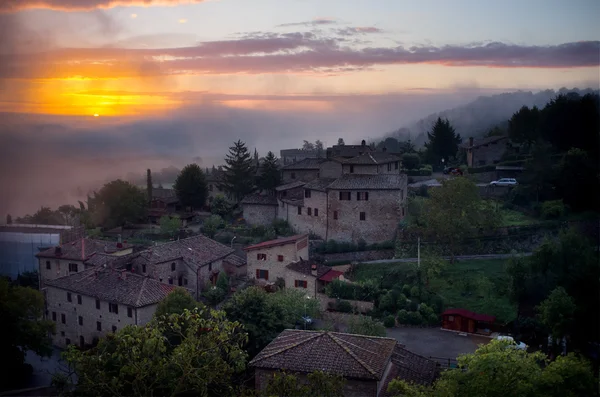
{"x": 261, "y": 257}
{"x": 299, "y": 210}
{"x": 170, "y": 280}
{"x": 63, "y": 318}
{"x": 352, "y": 169}
{"x": 129, "y": 312}
{"x": 389, "y": 166}
{"x": 210, "y": 267}
{"x": 62, "y": 333}
{"x": 210, "y": 188}
{"x": 53, "y": 316}
{"x": 264, "y": 274}
{"x": 309, "y": 211}
{"x": 363, "y": 216}
{"x": 180, "y": 281}
{"x": 280, "y": 258}
{"x": 335, "y": 215}
{"x": 402, "y": 211}
{"x": 300, "y": 283}
{"x": 345, "y": 196}
{"x": 185, "y": 281}
{"x": 396, "y": 165}
{"x": 69, "y": 298}
{"x": 362, "y": 196}
{"x": 73, "y": 267}
{"x": 113, "y": 308}
{"x": 81, "y": 341}
{"x": 306, "y": 193}
{"x": 80, "y": 320}
{"x": 79, "y": 299}
{"x": 293, "y": 176}
{"x": 114, "y": 329}
{"x": 67, "y": 341}
{"x": 48, "y": 265}
{"x": 316, "y": 212}
{"x": 173, "y": 266}
{"x": 98, "y": 326}
{"x": 450, "y": 318}
{"x": 143, "y": 268}
{"x": 98, "y": 304}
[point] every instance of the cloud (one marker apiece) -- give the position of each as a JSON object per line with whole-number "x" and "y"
{"x": 320, "y": 21}
{"x": 85, "y": 5}
{"x": 182, "y": 20}
{"x": 358, "y": 30}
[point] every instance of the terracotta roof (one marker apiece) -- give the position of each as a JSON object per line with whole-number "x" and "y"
{"x": 469, "y": 314}
{"x": 350, "y": 356}
{"x": 369, "y": 182}
{"x": 73, "y": 250}
{"x": 99, "y": 259}
{"x": 259, "y": 199}
{"x": 482, "y": 141}
{"x": 109, "y": 285}
{"x": 331, "y": 275}
{"x": 320, "y": 184}
{"x": 372, "y": 158}
{"x": 305, "y": 267}
{"x": 289, "y": 186}
{"x": 306, "y": 164}
{"x": 235, "y": 260}
{"x": 276, "y": 242}
{"x": 414, "y": 368}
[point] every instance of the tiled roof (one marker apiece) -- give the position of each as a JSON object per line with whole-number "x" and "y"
{"x": 306, "y": 164}
{"x": 294, "y": 201}
{"x": 372, "y": 158}
{"x": 73, "y": 249}
{"x": 411, "y": 368}
{"x": 196, "y": 251}
{"x": 320, "y": 184}
{"x": 305, "y": 267}
{"x": 99, "y": 259}
{"x": 350, "y": 356}
{"x": 235, "y": 260}
{"x": 331, "y": 275}
{"x": 369, "y": 182}
{"x": 469, "y": 314}
{"x": 259, "y": 199}
{"x": 276, "y": 242}
{"x": 109, "y": 285}
{"x": 482, "y": 141}
{"x": 289, "y": 186}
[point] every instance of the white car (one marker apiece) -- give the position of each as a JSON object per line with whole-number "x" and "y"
{"x": 504, "y": 182}
{"x": 513, "y": 343}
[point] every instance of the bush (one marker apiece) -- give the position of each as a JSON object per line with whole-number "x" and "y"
{"x": 411, "y": 161}
{"x": 344, "y": 306}
{"x": 425, "y": 310}
{"x": 387, "y": 302}
{"x": 331, "y": 247}
{"x": 422, "y": 191}
{"x": 282, "y": 228}
{"x": 403, "y": 317}
{"x": 412, "y": 306}
{"x": 406, "y": 289}
{"x": 415, "y": 318}
{"x": 214, "y": 295}
{"x": 433, "y": 319}
{"x": 414, "y": 292}
{"x": 420, "y": 172}
{"x": 479, "y": 170}
{"x": 552, "y": 209}
{"x": 362, "y": 245}
{"x": 401, "y": 301}
{"x": 389, "y": 321}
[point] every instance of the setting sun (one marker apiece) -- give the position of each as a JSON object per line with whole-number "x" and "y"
{"x": 96, "y": 115}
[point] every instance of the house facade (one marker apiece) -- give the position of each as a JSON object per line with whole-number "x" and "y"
{"x": 259, "y": 209}
{"x": 485, "y": 151}
{"x": 304, "y": 170}
{"x": 267, "y": 261}
{"x": 87, "y": 305}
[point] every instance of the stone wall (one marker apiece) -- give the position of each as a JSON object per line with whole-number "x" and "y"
{"x": 272, "y": 264}
{"x": 360, "y": 306}
{"x": 489, "y": 154}
{"x": 299, "y": 175}
{"x": 259, "y": 214}
{"x": 58, "y": 268}
{"x": 311, "y": 288}
{"x": 330, "y": 169}
{"x": 359, "y": 168}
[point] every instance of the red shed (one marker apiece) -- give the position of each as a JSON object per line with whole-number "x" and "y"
{"x": 466, "y": 321}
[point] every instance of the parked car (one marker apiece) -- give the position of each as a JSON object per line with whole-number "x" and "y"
{"x": 514, "y": 343}
{"x": 504, "y": 182}
{"x": 452, "y": 171}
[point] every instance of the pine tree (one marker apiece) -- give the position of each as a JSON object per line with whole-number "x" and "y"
{"x": 190, "y": 186}
{"x": 239, "y": 172}
{"x": 8, "y": 219}
{"x": 443, "y": 141}
{"x": 149, "y": 184}
{"x": 341, "y": 142}
{"x": 269, "y": 176}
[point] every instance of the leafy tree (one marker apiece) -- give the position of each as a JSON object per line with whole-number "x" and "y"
{"x": 578, "y": 182}
{"x": 308, "y": 145}
{"x": 568, "y": 376}
{"x": 45, "y": 216}
{"x": 176, "y": 302}
{"x": 214, "y": 295}
{"x": 432, "y": 266}
{"x": 29, "y": 279}
{"x": 443, "y": 141}
{"x": 149, "y": 186}
{"x": 366, "y": 325}
{"x": 119, "y": 202}
{"x": 401, "y": 388}
{"x": 223, "y": 281}
{"x": 523, "y": 126}
{"x": 455, "y": 212}
{"x": 518, "y": 273}
{"x": 410, "y": 161}
{"x": 340, "y": 142}
{"x": 8, "y": 219}
{"x": 141, "y": 361}
{"x": 556, "y": 313}
{"x": 23, "y": 329}
{"x": 169, "y": 225}
{"x": 190, "y": 186}
{"x": 319, "y": 148}
{"x": 68, "y": 213}
{"x": 211, "y": 225}
{"x": 407, "y": 147}
{"x": 219, "y": 206}
{"x": 270, "y": 177}
{"x": 539, "y": 173}
{"x": 239, "y": 172}
{"x": 495, "y": 131}
{"x": 318, "y": 384}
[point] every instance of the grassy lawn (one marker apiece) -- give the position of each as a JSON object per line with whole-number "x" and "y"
{"x": 516, "y": 218}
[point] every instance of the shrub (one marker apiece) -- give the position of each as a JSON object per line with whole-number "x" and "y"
{"x": 362, "y": 245}
{"x": 406, "y": 289}
{"x": 552, "y": 209}
{"x": 389, "y": 321}
{"x": 414, "y": 292}
{"x": 411, "y": 161}
{"x": 412, "y": 306}
{"x": 422, "y": 191}
{"x": 331, "y": 247}
{"x": 401, "y": 301}
{"x": 415, "y": 318}
{"x": 433, "y": 319}
{"x": 344, "y": 306}
{"x": 425, "y": 310}
{"x": 387, "y": 302}
{"x": 282, "y": 228}
{"x": 214, "y": 295}
{"x": 403, "y": 317}
{"x": 479, "y": 170}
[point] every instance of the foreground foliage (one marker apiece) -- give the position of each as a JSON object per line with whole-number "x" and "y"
{"x": 317, "y": 383}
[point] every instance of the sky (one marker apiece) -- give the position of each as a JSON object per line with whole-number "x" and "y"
{"x": 93, "y": 89}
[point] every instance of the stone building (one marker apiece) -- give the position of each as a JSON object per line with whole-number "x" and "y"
{"x": 267, "y": 261}
{"x": 76, "y": 256}
{"x": 310, "y": 277}
{"x": 372, "y": 163}
{"x": 485, "y": 151}
{"x": 259, "y": 209}
{"x": 368, "y": 363}
{"x": 290, "y": 156}
{"x": 91, "y": 303}
{"x": 305, "y": 170}
{"x": 348, "y": 151}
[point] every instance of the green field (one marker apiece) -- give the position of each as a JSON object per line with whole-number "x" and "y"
{"x": 476, "y": 285}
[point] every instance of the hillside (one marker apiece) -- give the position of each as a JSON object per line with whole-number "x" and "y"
{"x": 477, "y": 117}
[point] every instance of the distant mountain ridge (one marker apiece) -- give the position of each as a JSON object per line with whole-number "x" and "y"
{"x": 476, "y": 118}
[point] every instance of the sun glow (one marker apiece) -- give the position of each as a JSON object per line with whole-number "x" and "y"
{"x": 96, "y": 115}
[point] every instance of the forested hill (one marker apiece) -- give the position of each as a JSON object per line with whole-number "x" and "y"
{"x": 478, "y": 117}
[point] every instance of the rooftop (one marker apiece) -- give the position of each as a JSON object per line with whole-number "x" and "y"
{"x": 259, "y": 199}
{"x": 350, "y": 356}
{"x": 276, "y": 242}
{"x": 411, "y": 368}
{"x": 482, "y": 141}
{"x": 306, "y": 164}
{"x": 372, "y": 158}
{"x": 84, "y": 248}
{"x": 289, "y": 186}
{"x": 110, "y": 285}
{"x": 305, "y": 267}
{"x": 469, "y": 314}
{"x": 369, "y": 182}
{"x": 320, "y": 184}
{"x": 235, "y": 260}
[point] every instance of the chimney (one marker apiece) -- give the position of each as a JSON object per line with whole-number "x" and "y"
{"x": 124, "y": 274}
{"x": 119, "y": 238}
{"x": 313, "y": 270}
{"x": 363, "y": 143}
{"x": 57, "y": 251}
{"x": 471, "y": 142}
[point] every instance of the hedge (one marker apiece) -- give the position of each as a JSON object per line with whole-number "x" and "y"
{"x": 479, "y": 170}
{"x": 421, "y": 172}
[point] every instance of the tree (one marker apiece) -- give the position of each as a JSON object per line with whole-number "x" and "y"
{"x": 319, "y": 148}
{"x": 219, "y": 206}
{"x": 443, "y": 141}
{"x": 23, "y": 329}
{"x": 119, "y": 202}
{"x": 410, "y": 161}
{"x": 141, "y": 361}
{"x": 190, "y": 187}
{"x": 269, "y": 177}
{"x": 239, "y": 172}
{"x": 366, "y": 325}
{"x": 341, "y": 142}
{"x": 176, "y": 302}
{"x": 8, "y": 219}
{"x": 308, "y": 145}
{"x": 318, "y": 384}
{"x": 45, "y": 216}
{"x": 495, "y": 131}
{"x": 523, "y": 126}
{"x": 455, "y": 212}
{"x": 518, "y": 273}
{"x": 68, "y": 213}
{"x": 211, "y": 225}
{"x": 169, "y": 225}
{"x": 568, "y": 376}
{"x": 577, "y": 181}
{"x": 223, "y": 281}
{"x": 557, "y": 312}
{"x": 149, "y": 186}
{"x": 539, "y": 173}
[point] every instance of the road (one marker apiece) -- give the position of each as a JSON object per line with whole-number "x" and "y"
{"x": 459, "y": 257}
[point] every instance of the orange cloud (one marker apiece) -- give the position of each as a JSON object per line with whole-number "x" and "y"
{"x": 83, "y": 5}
